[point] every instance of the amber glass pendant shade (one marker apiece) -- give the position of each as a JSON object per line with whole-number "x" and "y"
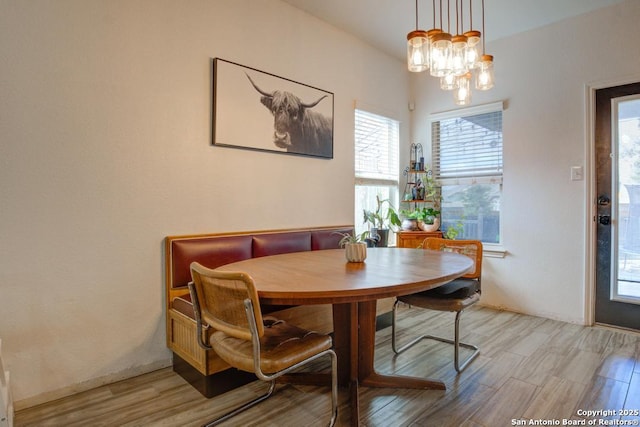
{"x": 441, "y": 48}
{"x": 417, "y": 51}
{"x": 472, "y": 54}
{"x": 484, "y": 76}
{"x": 458, "y": 55}
{"x": 462, "y": 94}
{"x": 448, "y": 82}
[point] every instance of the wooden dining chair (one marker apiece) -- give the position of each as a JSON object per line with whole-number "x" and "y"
{"x": 454, "y": 296}
{"x": 228, "y": 302}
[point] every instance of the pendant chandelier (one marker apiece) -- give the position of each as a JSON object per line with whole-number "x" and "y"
{"x": 454, "y": 59}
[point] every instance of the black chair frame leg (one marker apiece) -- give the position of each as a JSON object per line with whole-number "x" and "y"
{"x": 242, "y": 408}
{"x": 272, "y": 386}
{"x": 455, "y": 342}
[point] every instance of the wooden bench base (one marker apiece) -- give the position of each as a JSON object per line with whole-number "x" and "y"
{"x": 214, "y": 384}
{"x": 219, "y": 382}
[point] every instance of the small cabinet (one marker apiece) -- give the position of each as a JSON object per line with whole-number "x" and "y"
{"x": 413, "y": 239}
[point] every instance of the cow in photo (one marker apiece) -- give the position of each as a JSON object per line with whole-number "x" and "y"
{"x": 297, "y": 128}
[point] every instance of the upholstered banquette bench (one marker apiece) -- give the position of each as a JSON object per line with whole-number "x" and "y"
{"x": 203, "y": 368}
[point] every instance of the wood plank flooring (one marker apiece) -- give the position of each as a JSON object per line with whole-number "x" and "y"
{"x": 529, "y": 369}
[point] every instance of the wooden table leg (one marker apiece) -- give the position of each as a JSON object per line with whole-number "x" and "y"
{"x": 342, "y": 341}
{"x": 354, "y": 339}
{"x": 345, "y": 344}
{"x": 353, "y": 378}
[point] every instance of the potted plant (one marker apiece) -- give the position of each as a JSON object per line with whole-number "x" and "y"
{"x": 410, "y": 220}
{"x": 430, "y": 220}
{"x": 425, "y": 219}
{"x": 355, "y": 246}
{"x": 381, "y": 219}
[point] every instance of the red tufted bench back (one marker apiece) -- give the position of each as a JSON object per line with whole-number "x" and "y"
{"x": 214, "y": 250}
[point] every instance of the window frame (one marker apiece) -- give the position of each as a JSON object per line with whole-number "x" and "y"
{"x": 370, "y": 180}
{"x": 490, "y": 249}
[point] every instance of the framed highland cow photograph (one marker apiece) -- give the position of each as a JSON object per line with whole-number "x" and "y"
{"x": 256, "y": 110}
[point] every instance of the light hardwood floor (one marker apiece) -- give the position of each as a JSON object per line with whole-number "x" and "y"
{"x": 529, "y": 368}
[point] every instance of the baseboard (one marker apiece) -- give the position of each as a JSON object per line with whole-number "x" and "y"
{"x": 88, "y": 385}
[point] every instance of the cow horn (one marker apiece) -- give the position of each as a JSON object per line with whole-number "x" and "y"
{"x": 270, "y": 95}
{"x": 313, "y": 104}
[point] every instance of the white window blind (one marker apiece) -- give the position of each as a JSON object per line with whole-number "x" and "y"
{"x": 377, "y": 141}
{"x": 467, "y": 145}
{"x": 376, "y": 144}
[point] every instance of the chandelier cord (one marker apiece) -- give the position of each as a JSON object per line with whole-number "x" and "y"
{"x": 416, "y": 15}
{"x": 484, "y": 36}
{"x": 457, "y": 21}
{"x": 434, "y": 13}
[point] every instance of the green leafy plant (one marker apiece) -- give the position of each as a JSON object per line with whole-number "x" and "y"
{"x": 431, "y": 191}
{"x": 429, "y": 215}
{"x": 352, "y": 238}
{"x": 381, "y": 218}
{"x": 412, "y": 213}
{"x": 424, "y": 214}
{"x": 453, "y": 231}
{"x": 430, "y": 212}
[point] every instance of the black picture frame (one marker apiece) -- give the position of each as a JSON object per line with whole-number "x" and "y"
{"x": 256, "y": 110}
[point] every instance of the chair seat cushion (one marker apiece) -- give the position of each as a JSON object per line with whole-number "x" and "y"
{"x": 458, "y": 288}
{"x": 283, "y": 345}
{"x": 453, "y": 296}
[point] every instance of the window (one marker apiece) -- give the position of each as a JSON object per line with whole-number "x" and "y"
{"x": 467, "y": 162}
{"x": 376, "y": 163}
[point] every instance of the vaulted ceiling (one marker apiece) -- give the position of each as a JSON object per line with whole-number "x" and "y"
{"x": 384, "y": 24}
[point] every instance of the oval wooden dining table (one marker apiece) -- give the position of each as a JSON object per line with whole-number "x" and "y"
{"x": 325, "y": 277}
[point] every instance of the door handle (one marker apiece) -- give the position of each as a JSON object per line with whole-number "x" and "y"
{"x": 604, "y": 219}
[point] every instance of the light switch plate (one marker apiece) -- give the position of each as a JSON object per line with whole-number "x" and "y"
{"x": 577, "y": 173}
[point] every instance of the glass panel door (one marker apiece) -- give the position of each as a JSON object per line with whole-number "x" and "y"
{"x": 617, "y": 218}
{"x": 626, "y": 136}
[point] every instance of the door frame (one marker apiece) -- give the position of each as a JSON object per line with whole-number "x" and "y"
{"x": 590, "y": 190}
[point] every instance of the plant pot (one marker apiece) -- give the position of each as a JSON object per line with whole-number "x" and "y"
{"x": 355, "y": 252}
{"x": 429, "y": 227}
{"x": 383, "y": 234}
{"x": 409, "y": 224}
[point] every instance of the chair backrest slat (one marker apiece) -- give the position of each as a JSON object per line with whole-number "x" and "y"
{"x": 470, "y": 248}
{"x": 221, "y": 297}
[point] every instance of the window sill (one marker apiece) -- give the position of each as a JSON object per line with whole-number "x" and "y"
{"x": 493, "y": 251}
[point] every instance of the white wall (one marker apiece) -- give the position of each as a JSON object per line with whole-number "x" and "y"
{"x": 542, "y": 76}
{"x": 105, "y": 127}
